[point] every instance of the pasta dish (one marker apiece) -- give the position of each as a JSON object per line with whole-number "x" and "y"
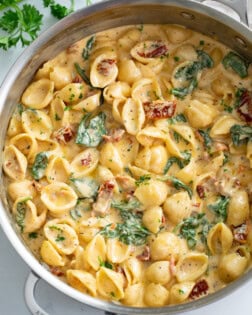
{"x": 128, "y": 165}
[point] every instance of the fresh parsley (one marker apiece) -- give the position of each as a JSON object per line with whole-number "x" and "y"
{"x": 220, "y": 208}
{"x": 178, "y": 184}
{"x": 143, "y": 180}
{"x": 57, "y": 10}
{"x": 20, "y": 24}
{"x": 21, "y": 212}
{"x": 33, "y": 235}
{"x": 105, "y": 264}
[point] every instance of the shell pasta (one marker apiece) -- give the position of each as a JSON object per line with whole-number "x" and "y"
{"x": 128, "y": 165}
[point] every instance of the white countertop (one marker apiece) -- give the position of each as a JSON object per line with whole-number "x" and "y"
{"x": 13, "y": 271}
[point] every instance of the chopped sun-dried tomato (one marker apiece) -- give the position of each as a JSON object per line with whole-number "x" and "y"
{"x": 145, "y": 255}
{"x": 240, "y": 233}
{"x": 244, "y": 107}
{"x": 201, "y": 191}
{"x": 64, "y": 134}
{"x": 157, "y": 49}
{"x": 159, "y": 109}
{"x": 87, "y": 160}
{"x": 200, "y": 288}
{"x": 105, "y": 66}
{"x": 115, "y": 135}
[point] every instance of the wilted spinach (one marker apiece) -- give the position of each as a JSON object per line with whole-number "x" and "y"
{"x": 39, "y": 166}
{"x": 237, "y": 63}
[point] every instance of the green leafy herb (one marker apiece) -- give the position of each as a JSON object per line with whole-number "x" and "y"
{"x": 88, "y": 2}
{"x": 57, "y": 10}
{"x": 131, "y": 231}
{"x": 21, "y": 211}
{"x": 20, "y": 109}
{"x": 56, "y": 228}
{"x": 178, "y": 184}
{"x": 82, "y": 74}
{"x": 33, "y": 235}
{"x": 90, "y": 131}
{"x": 241, "y": 134}
{"x": 202, "y": 42}
{"x": 20, "y": 24}
{"x": 176, "y": 119}
{"x": 206, "y": 137}
{"x": 220, "y": 208}
{"x": 143, "y": 180}
{"x": 85, "y": 187}
{"x": 129, "y": 205}
{"x": 39, "y": 166}
{"x": 179, "y": 162}
{"x": 89, "y": 46}
{"x": 189, "y": 73}
{"x": 237, "y": 63}
{"x": 192, "y": 227}
{"x": 60, "y": 238}
{"x": 57, "y": 117}
{"x": 226, "y": 107}
{"x": 105, "y": 264}
{"x": 176, "y": 58}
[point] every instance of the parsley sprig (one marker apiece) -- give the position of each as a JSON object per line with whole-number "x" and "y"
{"x": 57, "y": 10}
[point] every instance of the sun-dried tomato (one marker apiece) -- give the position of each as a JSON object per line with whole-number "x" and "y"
{"x": 201, "y": 191}
{"x": 158, "y": 50}
{"x": 244, "y": 107}
{"x": 240, "y": 233}
{"x": 200, "y": 288}
{"x": 105, "y": 66}
{"x": 64, "y": 134}
{"x": 145, "y": 255}
{"x": 159, "y": 109}
{"x": 87, "y": 160}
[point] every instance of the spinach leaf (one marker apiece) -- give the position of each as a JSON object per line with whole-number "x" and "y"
{"x": 129, "y": 205}
{"x": 237, "y": 63}
{"x": 90, "y": 131}
{"x": 220, "y": 208}
{"x": 241, "y": 134}
{"x": 188, "y": 72}
{"x": 82, "y": 74}
{"x": 204, "y": 59}
{"x": 131, "y": 231}
{"x": 89, "y": 46}
{"x": 81, "y": 206}
{"x": 105, "y": 264}
{"x": 191, "y": 227}
{"x": 206, "y": 137}
{"x": 182, "y": 92}
{"x": 177, "y": 118}
{"x": 179, "y": 162}
{"x": 85, "y": 187}
{"x": 39, "y": 166}
{"x": 178, "y": 184}
{"x": 20, "y": 214}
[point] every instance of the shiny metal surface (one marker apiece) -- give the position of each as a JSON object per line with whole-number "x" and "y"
{"x": 106, "y": 15}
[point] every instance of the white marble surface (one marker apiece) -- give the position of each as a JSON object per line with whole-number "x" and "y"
{"x": 13, "y": 271}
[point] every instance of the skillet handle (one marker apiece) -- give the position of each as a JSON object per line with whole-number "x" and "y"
{"x": 239, "y": 6}
{"x": 30, "y": 286}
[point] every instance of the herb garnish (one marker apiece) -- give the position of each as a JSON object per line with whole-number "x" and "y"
{"x": 143, "y": 180}
{"x": 57, "y": 10}
{"x": 241, "y": 134}
{"x": 90, "y": 131}
{"x": 33, "y": 235}
{"x": 39, "y": 166}
{"x": 21, "y": 212}
{"x": 179, "y": 162}
{"x": 220, "y": 208}
{"x": 82, "y": 74}
{"x": 131, "y": 231}
{"x": 105, "y": 264}
{"x": 177, "y": 118}
{"x": 193, "y": 226}
{"x": 206, "y": 137}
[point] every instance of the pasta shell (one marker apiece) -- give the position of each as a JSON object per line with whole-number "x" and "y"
{"x": 82, "y": 281}
{"x": 116, "y": 90}
{"x": 90, "y": 103}
{"x": 127, "y": 148}
{"x": 159, "y": 272}
{"x": 133, "y": 295}
{"x": 191, "y": 266}
{"x": 148, "y": 50}
{"x": 180, "y": 292}
{"x": 62, "y": 236}
{"x": 85, "y": 162}
{"x": 96, "y": 252}
{"x": 150, "y": 136}
{"x": 61, "y": 76}
{"x": 164, "y": 246}
{"x": 219, "y": 239}
{"x": 152, "y": 219}
{"x": 58, "y": 115}
{"x": 37, "y": 123}
{"x": 24, "y": 188}
{"x": 110, "y": 158}
{"x": 222, "y": 126}
{"x": 58, "y": 198}
{"x": 38, "y": 94}
{"x": 239, "y": 200}
{"x": 104, "y": 69}
{"x": 110, "y": 284}
{"x": 117, "y": 252}
{"x": 58, "y": 170}
{"x": 26, "y": 144}
{"x": 50, "y": 255}
{"x": 133, "y": 116}
{"x": 133, "y": 269}
{"x": 156, "y": 295}
{"x": 128, "y": 71}
{"x": 177, "y": 34}
{"x": 27, "y": 216}
{"x": 14, "y": 163}
{"x": 73, "y": 92}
